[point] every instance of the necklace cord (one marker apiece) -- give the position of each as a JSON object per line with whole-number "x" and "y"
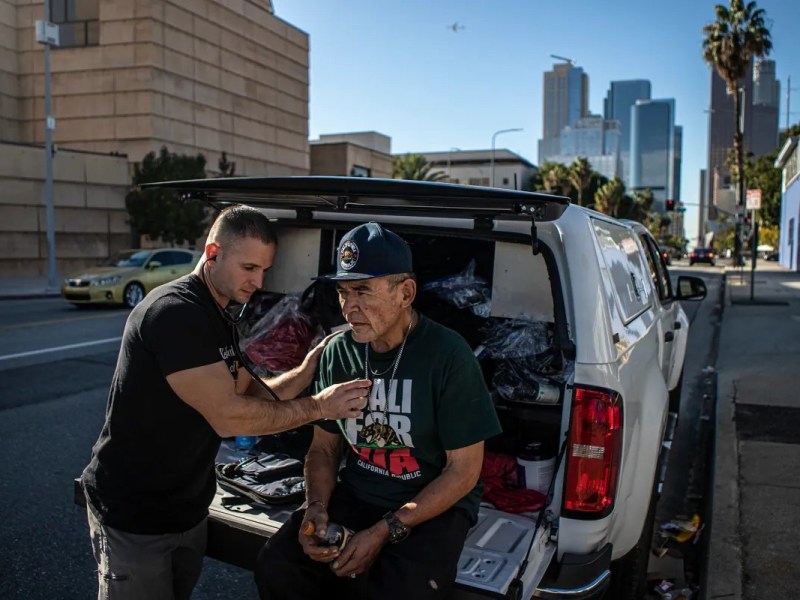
{"x": 393, "y": 367}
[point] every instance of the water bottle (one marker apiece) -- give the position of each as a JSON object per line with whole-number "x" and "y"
{"x": 335, "y": 534}
{"x": 245, "y": 442}
{"x": 534, "y": 468}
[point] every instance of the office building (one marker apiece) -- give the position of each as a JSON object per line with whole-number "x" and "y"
{"x": 359, "y": 154}
{"x": 565, "y": 100}
{"x": 655, "y": 150}
{"x": 128, "y": 77}
{"x": 594, "y": 138}
{"x": 621, "y": 97}
{"x": 760, "y": 106}
{"x": 474, "y": 167}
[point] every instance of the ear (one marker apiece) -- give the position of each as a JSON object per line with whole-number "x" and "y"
{"x": 409, "y": 291}
{"x": 212, "y": 249}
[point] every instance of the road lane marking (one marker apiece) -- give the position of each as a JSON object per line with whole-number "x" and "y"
{"x": 58, "y": 321}
{"x": 58, "y": 348}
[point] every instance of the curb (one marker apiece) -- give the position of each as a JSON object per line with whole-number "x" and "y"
{"x": 29, "y": 295}
{"x": 724, "y": 572}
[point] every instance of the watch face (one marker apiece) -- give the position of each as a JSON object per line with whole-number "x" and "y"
{"x": 397, "y": 531}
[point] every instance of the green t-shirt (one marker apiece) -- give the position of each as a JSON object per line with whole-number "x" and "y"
{"x": 438, "y": 401}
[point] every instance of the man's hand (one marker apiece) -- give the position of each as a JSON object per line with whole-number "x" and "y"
{"x": 316, "y": 521}
{"x": 343, "y": 400}
{"x": 361, "y": 551}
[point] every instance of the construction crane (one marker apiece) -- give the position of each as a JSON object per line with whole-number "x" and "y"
{"x": 567, "y": 60}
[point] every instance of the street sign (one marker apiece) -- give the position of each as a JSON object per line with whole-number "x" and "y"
{"x": 753, "y": 199}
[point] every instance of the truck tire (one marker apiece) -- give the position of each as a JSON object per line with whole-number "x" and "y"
{"x": 629, "y": 573}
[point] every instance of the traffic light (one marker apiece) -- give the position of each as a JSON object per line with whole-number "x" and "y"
{"x": 670, "y": 205}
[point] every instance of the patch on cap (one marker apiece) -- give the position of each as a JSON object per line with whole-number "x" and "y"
{"x": 348, "y": 255}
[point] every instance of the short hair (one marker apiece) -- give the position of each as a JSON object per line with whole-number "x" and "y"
{"x": 396, "y": 279}
{"x": 238, "y": 222}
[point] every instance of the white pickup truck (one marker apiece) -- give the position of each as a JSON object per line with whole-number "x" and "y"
{"x": 613, "y": 349}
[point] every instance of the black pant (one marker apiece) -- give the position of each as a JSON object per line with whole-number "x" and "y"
{"x": 422, "y": 566}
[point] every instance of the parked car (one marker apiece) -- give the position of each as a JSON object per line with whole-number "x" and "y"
{"x": 773, "y": 256}
{"x": 666, "y": 254}
{"x": 702, "y": 255}
{"x": 604, "y": 337}
{"x": 127, "y": 276}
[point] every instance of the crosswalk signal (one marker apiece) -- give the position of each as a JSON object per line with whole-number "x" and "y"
{"x": 670, "y": 205}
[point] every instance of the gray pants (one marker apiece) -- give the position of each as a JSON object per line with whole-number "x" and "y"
{"x": 132, "y": 566}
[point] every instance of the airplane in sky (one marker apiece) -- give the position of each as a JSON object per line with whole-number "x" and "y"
{"x": 455, "y": 27}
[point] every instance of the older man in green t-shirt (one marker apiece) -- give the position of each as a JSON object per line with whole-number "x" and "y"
{"x": 409, "y": 488}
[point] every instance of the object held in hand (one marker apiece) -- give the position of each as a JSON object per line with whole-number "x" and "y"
{"x": 335, "y": 534}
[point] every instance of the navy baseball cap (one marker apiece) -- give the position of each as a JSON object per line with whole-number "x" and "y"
{"x": 369, "y": 251}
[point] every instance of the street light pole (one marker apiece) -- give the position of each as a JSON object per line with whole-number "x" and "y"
{"x": 47, "y": 34}
{"x": 494, "y": 137}
{"x": 449, "y": 156}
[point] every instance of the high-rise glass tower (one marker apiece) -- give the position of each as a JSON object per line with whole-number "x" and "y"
{"x": 566, "y": 99}
{"x": 655, "y": 150}
{"x": 621, "y": 97}
{"x": 760, "y": 105}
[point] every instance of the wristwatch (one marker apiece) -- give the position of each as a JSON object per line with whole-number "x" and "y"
{"x": 397, "y": 530}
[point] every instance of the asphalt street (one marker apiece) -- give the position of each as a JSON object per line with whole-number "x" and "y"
{"x": 56, "y": 363}
{"x": 52, "y": 402}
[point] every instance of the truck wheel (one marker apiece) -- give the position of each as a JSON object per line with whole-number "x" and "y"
{"x": 629, "y": 573}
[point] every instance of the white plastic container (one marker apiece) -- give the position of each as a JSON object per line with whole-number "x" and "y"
{"x": 534, "y": 469}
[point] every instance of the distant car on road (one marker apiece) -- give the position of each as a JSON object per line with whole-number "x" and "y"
{"x": 666, "y": 254}
{"x": 773, "y": 256}
{"x": 128, "y": 276}
{"x": 702, "y": 255}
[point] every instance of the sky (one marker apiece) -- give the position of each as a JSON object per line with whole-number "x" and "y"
{"x": 398, "y": 67}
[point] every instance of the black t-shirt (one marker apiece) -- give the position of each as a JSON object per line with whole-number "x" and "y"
{"x": 152, "y": 468}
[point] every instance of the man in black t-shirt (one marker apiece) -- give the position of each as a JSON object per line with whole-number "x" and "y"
{"x": 178, "y": 388}
{"x": 409, "y": 488}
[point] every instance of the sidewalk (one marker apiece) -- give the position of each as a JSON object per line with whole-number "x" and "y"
{"x": 20, "y": 288}
{"x": 755, "y": 546}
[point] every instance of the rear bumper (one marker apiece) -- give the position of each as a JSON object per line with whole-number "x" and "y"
{"x": 581, "y": 577}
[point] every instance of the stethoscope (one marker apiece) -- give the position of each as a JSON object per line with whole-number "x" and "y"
{"x": 233, "y": 322}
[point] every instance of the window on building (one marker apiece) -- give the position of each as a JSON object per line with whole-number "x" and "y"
{"x": 359, "y": 171}
{"x": 78, "y": 22}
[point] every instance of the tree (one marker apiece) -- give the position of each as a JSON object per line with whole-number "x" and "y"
{"x": 227, "y": 168}
{"x": 609, "y": 197}
{"x": 580, "y": 176}
{"x": 737, "y": 36}
{"x": 160, "y": 214}
{"x": 555, "y": 178}
{"x": 415, "y": 168}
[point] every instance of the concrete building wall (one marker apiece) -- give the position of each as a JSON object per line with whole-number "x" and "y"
{"x": 340, "y": 158}
{"x": 89, "y": 200}
{"x": 202, "y": 76}
{"x": 9, "y": 71}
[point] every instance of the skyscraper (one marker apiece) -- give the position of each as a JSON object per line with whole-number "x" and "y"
{"x": 655, "y": 150}
{"x": 566, "y": 99}
{"x": 760, "y": 103}
{"x": 621, "y": 97}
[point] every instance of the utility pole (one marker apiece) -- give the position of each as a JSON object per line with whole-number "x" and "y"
{"x": 47, "y": 34}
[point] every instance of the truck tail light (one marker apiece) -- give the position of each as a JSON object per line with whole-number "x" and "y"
{"x": 594, "y": 452}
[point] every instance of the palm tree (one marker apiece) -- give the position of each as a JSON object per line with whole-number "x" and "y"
{"x": 580, "y": 176}
{"x": 738, "y": 35}
{"x": 555, "y": 178}
{"x": 415, "y": 167}
{"x": 609, "y": 197}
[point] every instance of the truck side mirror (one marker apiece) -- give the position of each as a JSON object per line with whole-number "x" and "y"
{"x": 690, "y": 288}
